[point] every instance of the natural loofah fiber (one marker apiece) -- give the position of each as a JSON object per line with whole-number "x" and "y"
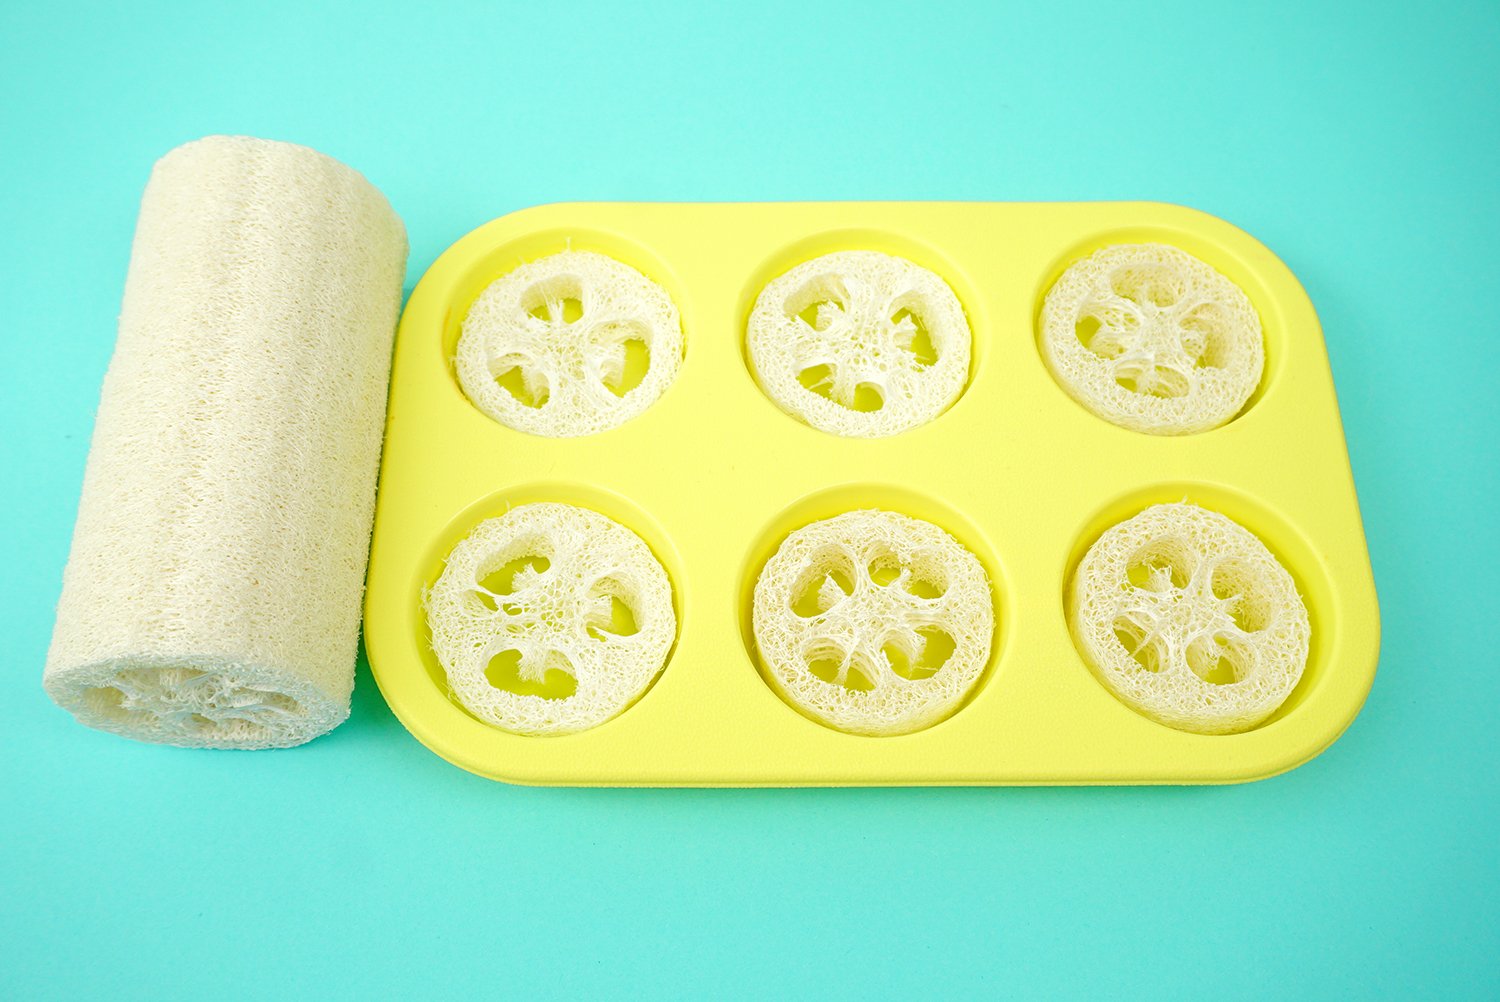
{"x": 212, "y": 596}
{"x": 860, "y": 344}
{"x": 873, "y": 622}
{"x": 1150, "y": 338}
{"x": 1190, "y": 620}
{"x": 568, "y": 345}
{"x": 545, "y": 599}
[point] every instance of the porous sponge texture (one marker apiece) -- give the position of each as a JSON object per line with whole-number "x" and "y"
{"x": 1188, "y": 618}
{"x": 567, "y": 373}
{"x": 860, "y": 344}
{"x": 212, "y": 595}
{"x": 1150, "y": 338}
{"x": 873, "y": 622}
{"x": 552, "y": 588}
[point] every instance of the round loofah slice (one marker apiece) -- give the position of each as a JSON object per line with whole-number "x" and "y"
{"x": 1150, "y": 338}
{"x": 569, "y": 345}
{"x": 1190, "y": 620}
{"x": 873, "y": 622}
{"x": 550, "y": 619}
{"x": 860, "y": 344}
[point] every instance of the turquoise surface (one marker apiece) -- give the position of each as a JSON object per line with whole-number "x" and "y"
{"x": 1358, "y": 141}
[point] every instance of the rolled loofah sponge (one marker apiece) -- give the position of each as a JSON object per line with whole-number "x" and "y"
{"x": 873, "y": 622}
{"x": 212, "y": 596}
{"x": 860, "y": 344}
{"x": 550, "y": 619}
{"x": 1152, "y": 339}
{"x": 568, "y": 345}
{"x": 1189, "y": 619}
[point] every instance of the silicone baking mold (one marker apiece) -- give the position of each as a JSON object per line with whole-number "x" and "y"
{"x": 713, "y": 476}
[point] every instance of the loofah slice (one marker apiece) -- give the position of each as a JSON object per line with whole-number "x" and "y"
{"x": 212, "y": 595}
{"x": 860, "y": 344}
{"x": 568, "y": 345}
{"x": 1152, "y": 339}
{"x": 873, "y": 622}
{"x": 1189, "y": 619}
{"x": 550, "y": 619}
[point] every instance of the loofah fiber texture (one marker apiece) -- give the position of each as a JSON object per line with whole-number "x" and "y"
{"x": 1152, "y": 339}
{"x": 873, "y": 622}
{"x": 557, "y": 347}
{"x": 860, "y": 344}
{"x": 1190, "y": 620}
{"x": 567, "y": 610}
{"x": 212, "y": 595}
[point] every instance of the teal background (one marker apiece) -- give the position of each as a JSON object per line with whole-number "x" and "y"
{"x": 1359, "y": 141}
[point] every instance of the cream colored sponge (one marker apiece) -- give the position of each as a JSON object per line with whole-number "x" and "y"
{"x": 212, "y": 596}
{"x": 1150, "y": 338}
{"x": 873, "y": 622}
{"x": 568, "y": 345}
{"x": 1189, "y": 619}
{"x": 860, "y": 344}
{"x": 550, "y": 619}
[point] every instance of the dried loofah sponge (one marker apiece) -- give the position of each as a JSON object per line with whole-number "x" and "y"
{"x": 1189, "y": 619}
{"x": 860, "y": 344}
{"x": 873, "y": 622}
{"x": 550, "y": 619}
{"x": 1152, "y": 339}
{"x": 212, "y": 596}
{"x": 568, "y": 345}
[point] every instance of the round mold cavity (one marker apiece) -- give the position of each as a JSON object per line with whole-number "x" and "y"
{"x": 1221, "y": 259}
{"x": 604, "y": 502}
{"x": 857, "y": 239}
{"x": 510, "y": 255}
{"x": 1286, "y": 543}
{"x": 833, "y": 501}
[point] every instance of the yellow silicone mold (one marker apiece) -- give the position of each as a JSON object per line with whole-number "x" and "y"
{"x": 714, "y": 475}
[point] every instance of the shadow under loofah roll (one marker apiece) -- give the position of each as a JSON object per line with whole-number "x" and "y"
{"x": 212, "y": 595}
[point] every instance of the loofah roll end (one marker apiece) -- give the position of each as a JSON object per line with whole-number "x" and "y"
{"x": 197, "y": 702}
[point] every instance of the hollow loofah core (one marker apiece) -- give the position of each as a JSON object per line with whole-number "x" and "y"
{"x": 550, "y": 619}
{"x": 873, "y": 622}
{"x": 1190, "y": 620}
{"x": 860, "y": 344}
{"x": 212, "y": 595}
{"x": 1152, "y": 339}
{"x": 568, "y": 345}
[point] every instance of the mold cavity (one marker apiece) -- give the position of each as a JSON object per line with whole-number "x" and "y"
{"x": 920, "y": 341}
{"x": 528, "y": 392}
{"x": 1160, "y": 566}
{"x": 1218, "y": 660}
{"x": 1134, "y": 638}
{"x": 556, "y": 681}
{"x": 818, "y": 379}
{"x": 635, "y": 359}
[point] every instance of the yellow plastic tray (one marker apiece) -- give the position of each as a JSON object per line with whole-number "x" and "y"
{"x": 714, "y": 475}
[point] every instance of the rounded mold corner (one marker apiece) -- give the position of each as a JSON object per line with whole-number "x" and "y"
{"x": 827, "y": 503}
{"x": 1285, "y": 541}
{"x": 497, "y": 248}
{"x": 604, "y": 502}
{"x": 1232, "y": 263}
{"x": 890, "y": 242}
